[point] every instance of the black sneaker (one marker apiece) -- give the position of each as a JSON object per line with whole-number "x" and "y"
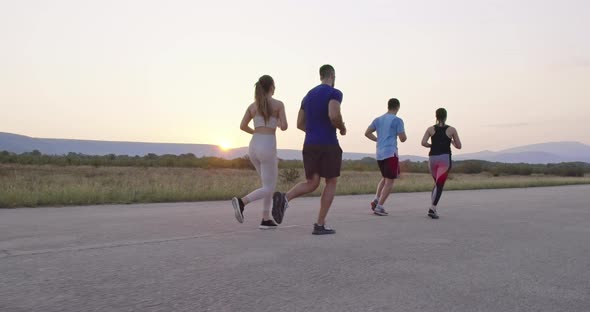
{"x": 267, "y": 225}
{"x": 322, "y": 230}
{"x": 279, "y": 204}
{"x": 432, "y": 214}
{"x": 238, "y": 208}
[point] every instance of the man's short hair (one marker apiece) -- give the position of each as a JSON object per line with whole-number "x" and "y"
{"x": 326, "y": 71}
{"x": 393, "y": 104}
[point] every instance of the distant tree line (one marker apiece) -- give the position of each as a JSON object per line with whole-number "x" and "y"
{"x": 571, "y": 169}
{"x": 149, "y": 160}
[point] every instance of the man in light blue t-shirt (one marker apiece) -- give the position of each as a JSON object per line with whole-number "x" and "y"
{"x": 389, "y": 127}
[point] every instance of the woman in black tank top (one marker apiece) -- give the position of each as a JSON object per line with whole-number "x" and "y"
{"x": 440, "y": 142}
{"x": 441, "y": 137}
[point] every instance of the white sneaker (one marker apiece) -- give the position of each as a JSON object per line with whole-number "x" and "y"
{"x": 380, "y": 211}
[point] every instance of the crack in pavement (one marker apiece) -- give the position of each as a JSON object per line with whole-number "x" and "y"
{"x": 16, "y": 253}
{"x": 115, "y": 244}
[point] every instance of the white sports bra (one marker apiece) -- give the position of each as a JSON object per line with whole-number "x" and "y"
{"x": 259, "y": 122}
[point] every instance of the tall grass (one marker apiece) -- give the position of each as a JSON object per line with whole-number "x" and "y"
{"x": 32, "y": 186}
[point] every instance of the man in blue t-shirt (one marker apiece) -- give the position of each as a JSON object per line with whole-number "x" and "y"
{"x": 319, "y": 117}
{"x": 389, "y": 127}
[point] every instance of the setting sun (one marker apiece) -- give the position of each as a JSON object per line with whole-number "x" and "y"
{"x": 224, "y": 146}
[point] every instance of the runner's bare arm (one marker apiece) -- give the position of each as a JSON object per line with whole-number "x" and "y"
{"x": 301, "y": 120}
{"x": 244, "y": 126}
{"x": 402, "y": 136}
{"x": 455, "y": 139}
{"x": 336, "y": 116}
{"x": 369, "y": 134}
{"x": 282, "y": 117}
{"x": 425, "y": 139}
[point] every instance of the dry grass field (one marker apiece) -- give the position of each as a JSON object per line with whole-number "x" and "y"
{"x": 33, "y": 186}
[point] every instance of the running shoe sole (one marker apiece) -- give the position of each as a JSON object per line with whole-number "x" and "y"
{"x": 380, "y": 213}
{"x": 266, "y": 227}
{"x": 433, "y": 215}
{"x": 324, "y": 232}
{"x": 238, "y": 213}
{"x": 278, "y": 207}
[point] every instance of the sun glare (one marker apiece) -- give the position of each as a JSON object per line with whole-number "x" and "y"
{"x": 224, "y": 146}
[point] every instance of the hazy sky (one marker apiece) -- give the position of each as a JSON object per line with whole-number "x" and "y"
{"x": 509, "y": 72}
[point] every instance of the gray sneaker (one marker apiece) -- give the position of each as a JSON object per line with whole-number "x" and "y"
{"x": 432, "y": 213}
{"x": 322, "y": 230}
{"x": 380, "y": 211}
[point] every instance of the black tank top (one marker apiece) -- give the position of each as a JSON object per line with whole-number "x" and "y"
{"x": 441, "y": 143}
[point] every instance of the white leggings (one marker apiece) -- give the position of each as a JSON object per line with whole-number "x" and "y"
{"x": 263, "y": 155}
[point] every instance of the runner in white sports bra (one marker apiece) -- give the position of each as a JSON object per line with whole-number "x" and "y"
{"x": 267, "y": 114}
{"x": 259, "y": 122}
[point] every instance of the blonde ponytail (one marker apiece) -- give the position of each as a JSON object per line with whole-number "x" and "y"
{"x": 262, "y": 88}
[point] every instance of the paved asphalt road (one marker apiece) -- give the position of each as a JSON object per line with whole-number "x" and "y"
{"x": 492, "y": 250}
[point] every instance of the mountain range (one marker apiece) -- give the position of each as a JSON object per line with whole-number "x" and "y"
{"x": 551, "y": 152}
